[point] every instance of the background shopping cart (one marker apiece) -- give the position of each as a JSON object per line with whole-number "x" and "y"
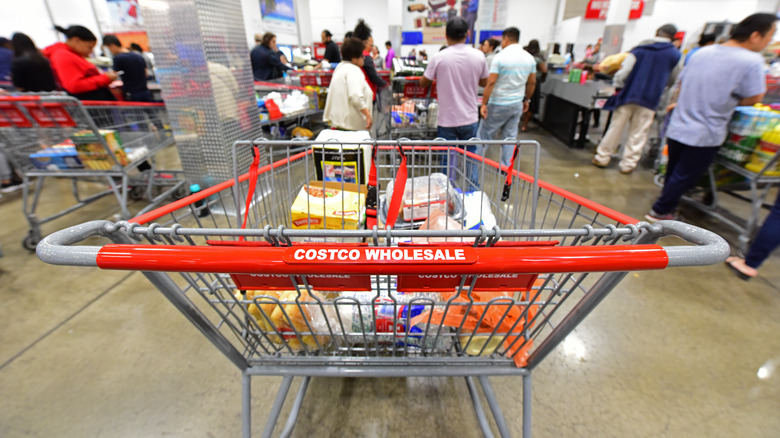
{"x": 115, "y": 143}
{"x": 499, "y": 303}
{"x": 414, "y": 112}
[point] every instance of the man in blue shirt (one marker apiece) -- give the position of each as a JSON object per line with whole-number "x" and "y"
{"x": 266, "y": 64}
{"x": 706, "y": 39}
{"x": 714, "y": 82}
{"x": 132, "y": 67}
{"x": 644, "y": 74}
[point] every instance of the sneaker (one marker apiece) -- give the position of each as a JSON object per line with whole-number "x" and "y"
{"x": 10, "y": 187}
{"x": 652, "y": 216}
{"x": 626, "y": 171}
{"x": 597, "y": 164}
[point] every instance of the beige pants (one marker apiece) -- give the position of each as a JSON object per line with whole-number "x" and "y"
{"x": 639, "y": 119}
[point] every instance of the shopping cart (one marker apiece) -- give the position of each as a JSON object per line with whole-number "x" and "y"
{"x": 279, "y": 298}
{"x": 414, "y": 112}
{"x": 54, "y": 135}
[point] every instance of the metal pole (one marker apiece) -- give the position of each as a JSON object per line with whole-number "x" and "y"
{"x": 527, "y": 406}
{"x": 51, "y": 19}
{"x": 246, "y": 404}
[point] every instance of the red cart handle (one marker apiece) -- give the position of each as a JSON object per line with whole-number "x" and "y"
{"x": 351, "y": 260}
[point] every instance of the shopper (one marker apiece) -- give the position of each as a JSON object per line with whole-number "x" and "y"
{"x": 390, "y": 55}
{"x": 458, "y": 72}
{"x": 6, "y": 56}
{"x": 490, "y": 47}
{"x": 71, "y": 69}
{"x": 511, "y": 83}
{"x": 541, "y": 68}
{"x": 714, "y": 82}
{"x": 132, "y": 68}
{"x": 348, "y": 106}
{"x": 266, "y": 64}
{"x": 331, "y": 48}
{"x": 148, "y": 59}
{"x": 363, "y": 33}
{"x": 30, "y": 70}
{"x": 766, "y": 241}
{"x": 375, "y": 56}
{"x": 646, "y": 71}
{"x": 706, "y": 39}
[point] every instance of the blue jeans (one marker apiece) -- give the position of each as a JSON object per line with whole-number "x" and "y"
{"x": 465, "y": 132}
{"x": 768, "y": 238}
{"x": 686, "y": 165}
{"x": 504, "y": 119}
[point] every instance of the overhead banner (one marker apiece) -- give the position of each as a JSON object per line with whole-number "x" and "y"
{"x": 278, "y": 16}
{"x": 597, "y": 10}
{"x": 125, "y": 16}
{"x": 126, "y": 22}
{"x": 424, "y": 22}
{"x": 492, "y": 15}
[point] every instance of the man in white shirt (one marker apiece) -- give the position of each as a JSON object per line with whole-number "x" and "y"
{"x": 511, "y": 83}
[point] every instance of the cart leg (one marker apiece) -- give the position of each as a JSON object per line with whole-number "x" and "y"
{"x": 527, "y": 405}
{"x": 483, "y": 423}
{"x": 277, "y": 407}
{"x": 487, "y": 388}
{"x": 246, "y": 405}
{"x": 296, "y": 408}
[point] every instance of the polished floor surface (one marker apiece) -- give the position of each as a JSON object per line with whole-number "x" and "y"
{"x": 687, "y": 352}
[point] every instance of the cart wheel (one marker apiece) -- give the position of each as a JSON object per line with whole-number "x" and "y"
{"x": 31, "y": 241}
{"x": 180, "y": 192}
{"x": 136, "y": 193}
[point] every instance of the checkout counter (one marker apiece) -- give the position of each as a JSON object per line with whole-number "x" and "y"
{"x": 565, "y": 108}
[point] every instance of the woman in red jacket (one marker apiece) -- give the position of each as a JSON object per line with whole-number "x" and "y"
{"x": 73, "y": 72}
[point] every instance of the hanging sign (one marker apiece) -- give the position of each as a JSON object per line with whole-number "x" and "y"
{"x": 597, "y": 9}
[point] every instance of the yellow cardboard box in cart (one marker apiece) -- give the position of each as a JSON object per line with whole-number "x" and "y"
{"x": 92, "y": 152}
{"x": 323, "y": 205}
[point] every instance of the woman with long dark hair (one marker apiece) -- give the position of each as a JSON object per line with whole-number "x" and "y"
{"x": 30, "y": 70}
{"x": 71, "y": 69}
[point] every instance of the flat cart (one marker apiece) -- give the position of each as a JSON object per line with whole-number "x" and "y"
{"x": 280, "y": 298}
{"x": 727, "y": 177}
{"x": 414, "y": 111}
{"x": 54, "y": 135}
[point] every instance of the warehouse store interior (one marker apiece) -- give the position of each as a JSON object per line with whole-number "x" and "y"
{"x": 565, "y": 301}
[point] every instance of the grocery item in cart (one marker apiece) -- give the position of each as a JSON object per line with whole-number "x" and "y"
{"x": 59, "y": 156}
{"x": 478, "y": 211}
{"x": 93, "y": 153}
{"x": 438, "y": 220}
{"x": 424, "y": 194}
{"x": 323, "y": 205}
{"x": 401, "y": 320}
{"x": 484, "y": 326}
{"x": 285, "y": 319}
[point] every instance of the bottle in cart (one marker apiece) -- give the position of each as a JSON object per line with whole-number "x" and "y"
{"x": 201, "y": 206}
{"x": 433, "y": 114}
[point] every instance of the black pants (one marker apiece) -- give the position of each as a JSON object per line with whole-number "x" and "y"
{"x": 686, "y": 165}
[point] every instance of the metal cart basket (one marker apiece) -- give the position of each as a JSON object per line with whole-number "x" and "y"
{"x": 54, "y": 135}
{"x": 280, "y": 298}
{"x": 414, "y": 112}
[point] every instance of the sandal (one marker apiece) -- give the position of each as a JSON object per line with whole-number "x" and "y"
{"x": 730, "y": 263}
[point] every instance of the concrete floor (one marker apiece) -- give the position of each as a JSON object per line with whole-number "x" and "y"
{"x": 691, "y": 352}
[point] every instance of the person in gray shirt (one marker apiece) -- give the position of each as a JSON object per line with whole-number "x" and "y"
{"x": 712, "y": 85}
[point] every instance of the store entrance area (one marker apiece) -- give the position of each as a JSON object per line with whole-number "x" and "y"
{"x": 678, "y": 352}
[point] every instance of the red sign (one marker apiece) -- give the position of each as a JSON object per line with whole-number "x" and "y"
{"x": 597, "y": 9}
{"x": 308, "y": 80}
{"x": 13, "y": 116}
{"x": 415, "y": 90}
{"x": 331, "y": 282}
{"x": 448, "y": 283}
{"x": 49, "y": 115}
